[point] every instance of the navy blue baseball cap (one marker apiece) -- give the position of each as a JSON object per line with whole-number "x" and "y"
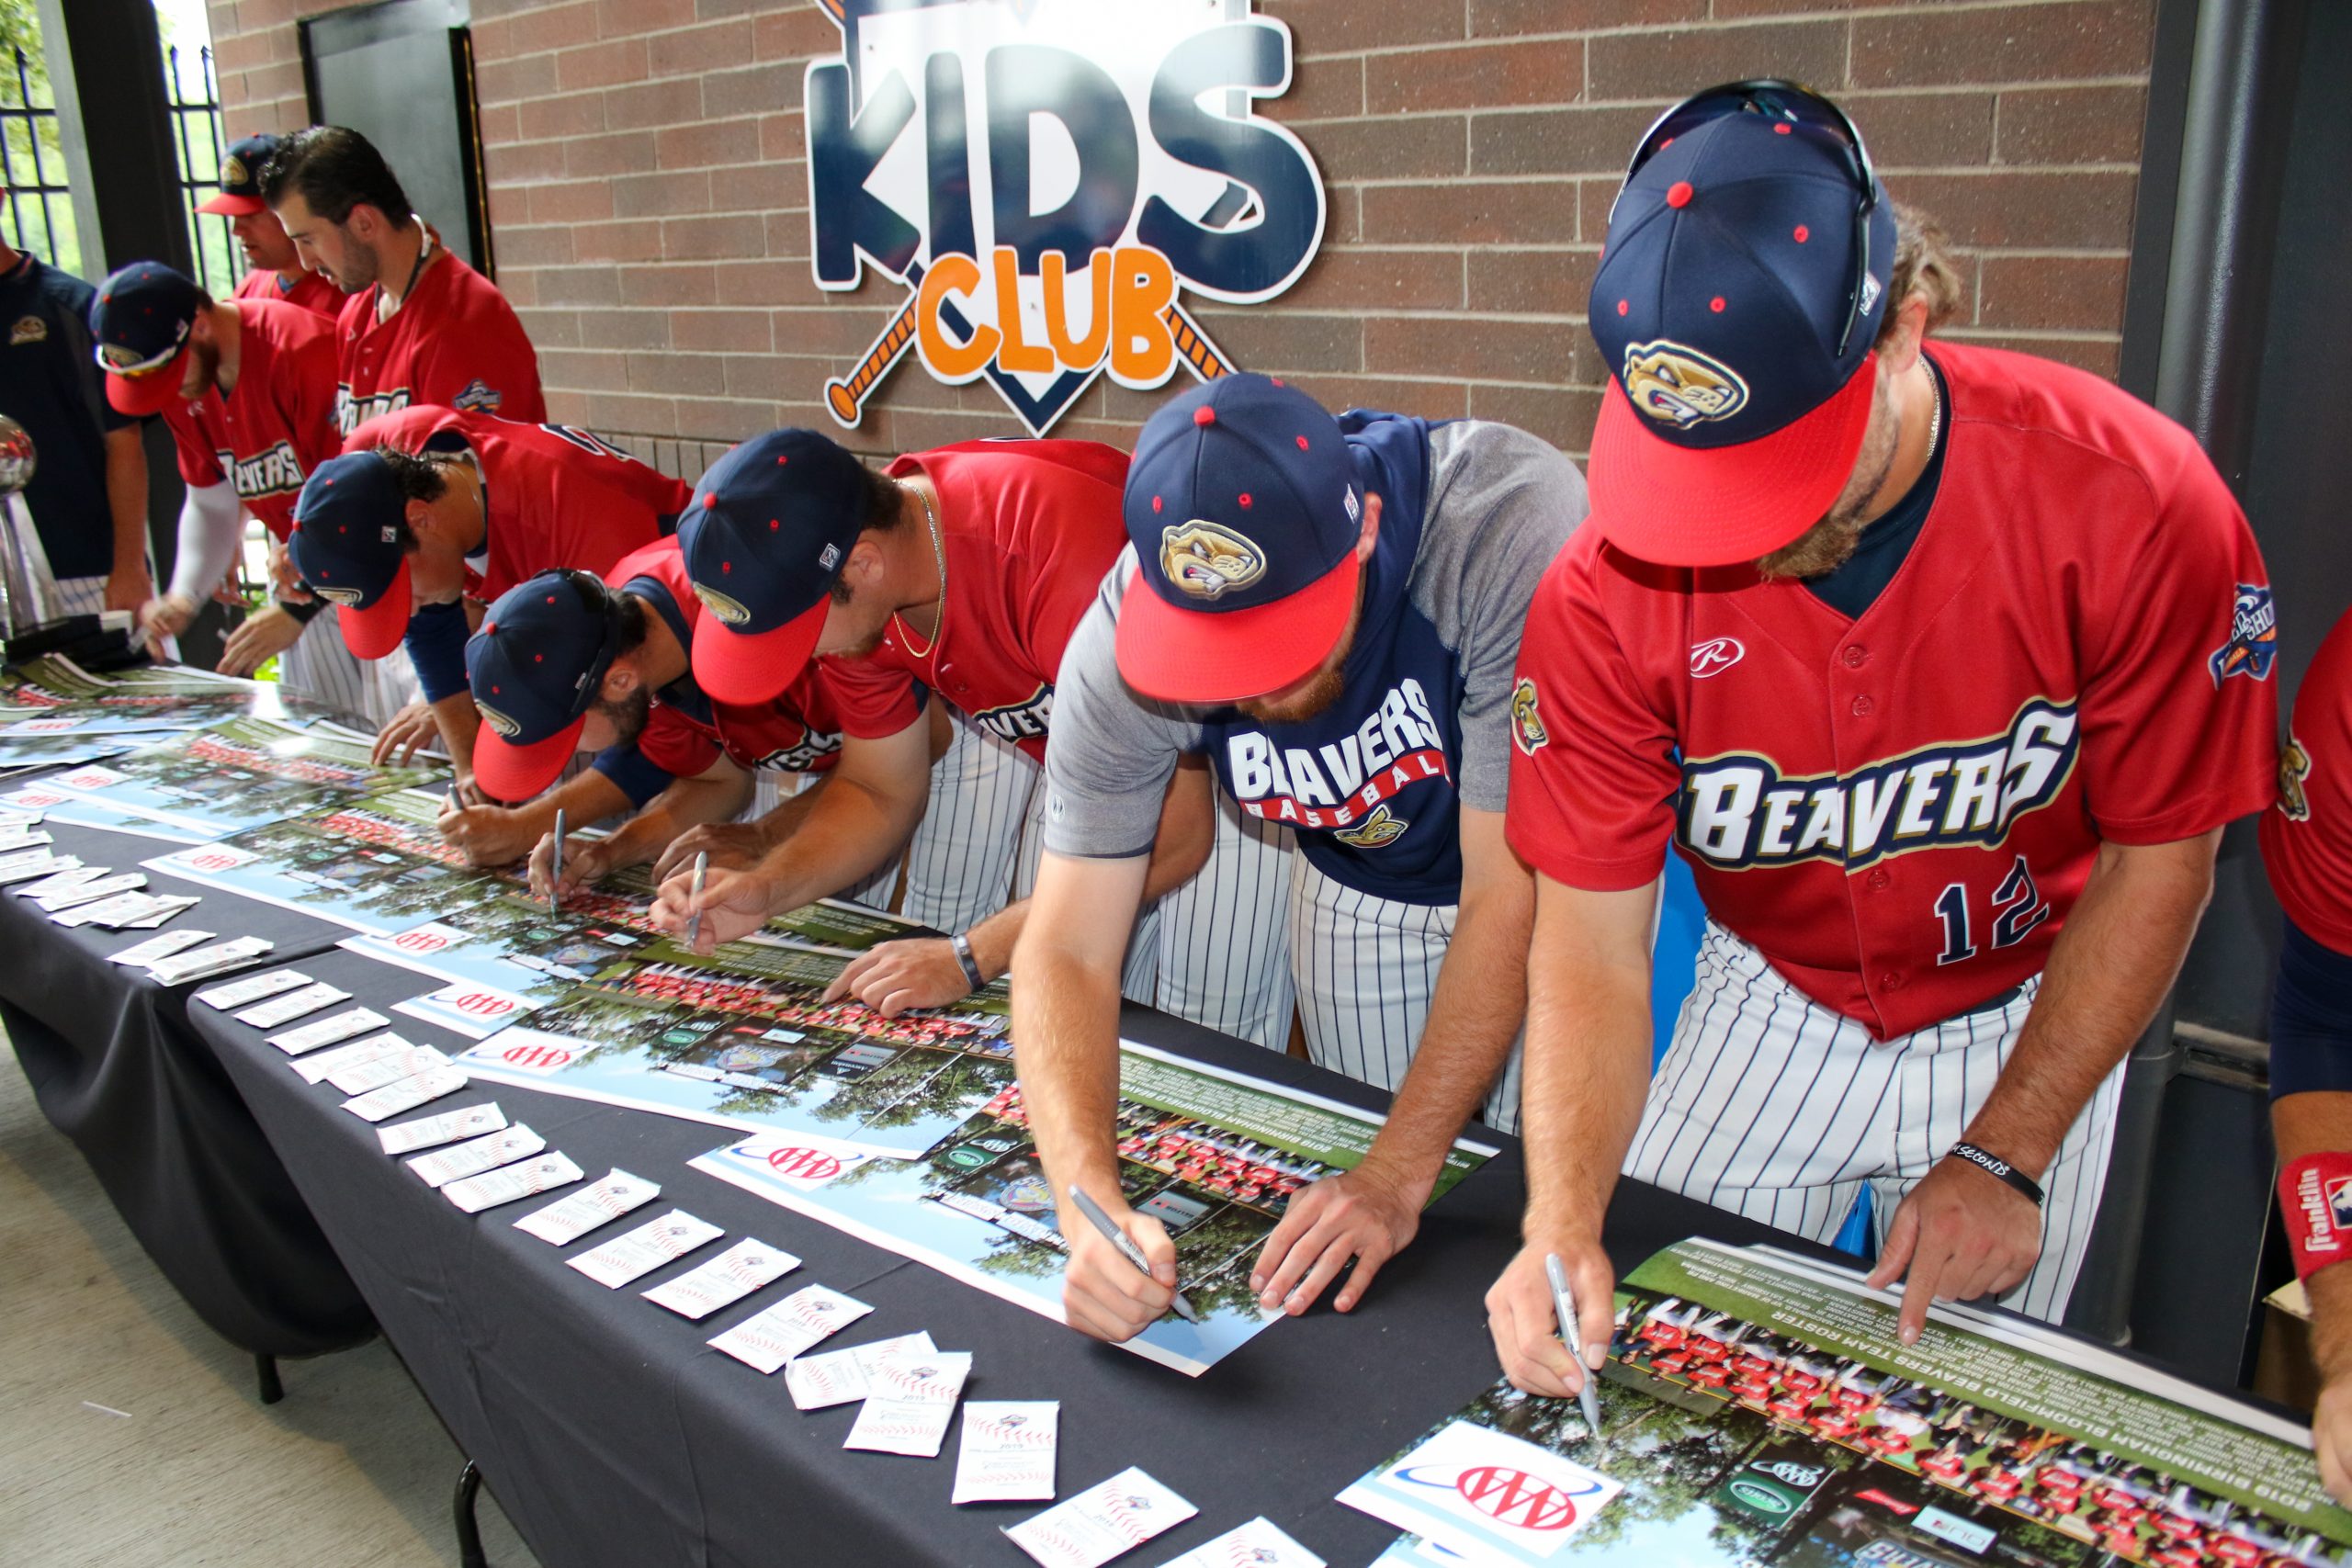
{"x": 1245, "y": 509}
{"x": 141, "y": 320}
{"x": 1737, "y": 330}
{"x": 536, "y": 668}
{"x": 241, "y": 168}
{"x": 766, "y": 535}
{"x": 346, "y": 544}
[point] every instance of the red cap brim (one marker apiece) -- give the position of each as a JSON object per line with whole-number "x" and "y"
{"x": 512, "y": 773}
{"x": 749, "y": 668}
{"x": 230, "y": 206}
{"x": 1209, "y": 657}
{"x": 374, "y": 632}
{"x": 1688, "y": 506}
{"x": 151, "y": 393}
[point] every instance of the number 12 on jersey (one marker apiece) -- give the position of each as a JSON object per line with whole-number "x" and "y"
{"x": 2018, "y": 908}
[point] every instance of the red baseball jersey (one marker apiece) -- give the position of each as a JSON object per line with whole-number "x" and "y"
{"x": 799, "y": 731}
{"x": 454, "y": 342}
{"x": 548, "y": 502}
{"x": 2307, "y": 841}
{"x": 1029, "y": 528}
{"x": 275, "y": 425}
{"x": 312, "y": 291}
{"x": 413, "y": 428}
{"x": 1898, "y": 811}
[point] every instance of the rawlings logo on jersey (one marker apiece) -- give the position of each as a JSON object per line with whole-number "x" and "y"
{"x": 1380, "y": 828}
{"x": 478, "y": 396}
{"x": 1527, "y": 731}
{"x": 719, "y": 604}
{"x": 1738, "y": 812}
{"x": 1343, "y": 783}
{"x": 274, "y": 472}
{"x": 2253, "y": 647}
{"x": 2294, "y": 767}
{"x": 1204, "y": 559}
{"x": 507, "y": 728}
{"x": 1714, "y": 656}
{"x": 1023, "y": 720}
{"x": 1679, "y": 386}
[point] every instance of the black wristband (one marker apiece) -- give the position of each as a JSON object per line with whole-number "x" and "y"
{"x": 963, "y": 945}
{"x": 1993, "y": 1165}
{"x": 303, "y": 610}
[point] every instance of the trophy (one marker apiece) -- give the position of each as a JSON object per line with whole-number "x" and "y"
{"x": 25, "y": 599}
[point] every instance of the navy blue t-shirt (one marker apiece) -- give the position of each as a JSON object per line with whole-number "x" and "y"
{"x": 51, "y": 384}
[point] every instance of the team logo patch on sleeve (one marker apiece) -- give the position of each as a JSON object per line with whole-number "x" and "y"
{"x": 2294, "y": 767}
{"x": 478, "y": 397}
{"x": 1679, "y": 386}
{"x": 1527, "y": 731}
{"x": 2253, "y": 647}
{"x": 1205, "y": 560}
{"x": 1382, "y": 826}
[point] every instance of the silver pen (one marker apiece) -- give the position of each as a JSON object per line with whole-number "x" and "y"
{"x": 555, "y": 882}
{"x": 1563, "y": 1302}
{"x": 1124, "y": 1242}
{"x": 694, "y": 920}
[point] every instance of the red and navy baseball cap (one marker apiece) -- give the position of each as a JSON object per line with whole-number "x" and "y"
{"x": 346, "y": 544}
{"x": 535, "y": 668}
{"x": 141, "y": 320}
{"x": 766, "y": 534}
{"x": 1245, "y": 509}
{"x": 241, "y": 168}
{"x": 1737, "y": 325}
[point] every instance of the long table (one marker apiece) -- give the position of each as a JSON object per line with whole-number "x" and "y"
{"x": 612, "y": 1434}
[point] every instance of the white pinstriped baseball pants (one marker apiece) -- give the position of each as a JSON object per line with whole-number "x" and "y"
{"x": 1774, "y": 1107}
{"x": 322, "y": 668}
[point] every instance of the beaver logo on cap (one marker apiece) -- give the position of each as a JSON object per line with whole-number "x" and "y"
{"x": 507, "y": 728}
{"x": 1679, "y": 386}
{"x": 233, "y": 171}
{"x": 121, "y": 356}
{"x": 1206, "y": 559}
{"x": 719, "y": 604}
{"x": 350, "y": 596}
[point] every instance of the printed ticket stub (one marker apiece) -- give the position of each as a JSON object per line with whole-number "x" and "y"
{"x": 842, "y": 1377}
{"x": 15, "y": 839}
{"x": 142, "y": 953}
{"x": 359, "y": 1078}
{"x": 203, "y": 963}
{"x": 70, "y": 872}
{"x": 475, "y": 1155}
{"x": 329, "y": 1031}
{"x": 1006, "y": 1452}
{"x": 767, "y": 1340}
{"x": 292, "y": 1005}
{"x": 446, "y": 1127}
{"x": 524, "y": 1179}
{"x": 326, "y": 1063}
{"x": 123, "y": 909}
{"x": 1257, "y": 1542}
{"x": 646, "y": 1248}
{"x": 27, "y": 864}
{"x": 1106, "y": 1519}
{"x": 909, "y": 1403}
{"x": 724, "y": 1280}
{"x": 566, "y": 1220}
{"x": 251, "y": 988}
{"x": 406, "y": 1095}
{"x": 88, "y": 891}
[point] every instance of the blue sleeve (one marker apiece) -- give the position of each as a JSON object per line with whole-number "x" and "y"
{"x": 2311, "y": 1018}
{"x": 436, "y": 646}
{"x": 637, "y": 778}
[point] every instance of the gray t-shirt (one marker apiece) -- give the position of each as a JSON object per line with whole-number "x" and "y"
{"x": 1471, "y": 514}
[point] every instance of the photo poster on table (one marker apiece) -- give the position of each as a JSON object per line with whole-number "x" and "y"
{"x": 226, "y": 779}
{"x": 1756, "y": 1408}
{"x": 1214, "y": 1156}
{"x": 378, "y": 863}
{"x": 19, "y": 753}
{"x": 53, "y": 696}
{"x": 742, "y": 1038}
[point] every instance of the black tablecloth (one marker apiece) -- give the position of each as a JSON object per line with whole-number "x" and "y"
{"x": 613, "y": 1435}
{"x": 114, "y": 1068}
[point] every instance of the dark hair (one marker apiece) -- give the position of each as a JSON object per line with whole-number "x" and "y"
{"x": 335, "y": 169}
{"x": 630, "y": 621}
{"x": 884, "y": 509}
{"x": 421, "y": 479}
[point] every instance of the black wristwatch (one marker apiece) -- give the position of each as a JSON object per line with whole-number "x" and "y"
{"x": 962, "y": 943}
{"x": 303, "y": 610}
{"x": 1995, "y": 1166}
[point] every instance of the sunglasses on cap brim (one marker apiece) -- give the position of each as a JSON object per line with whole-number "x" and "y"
{"x": 1800, "y": 105}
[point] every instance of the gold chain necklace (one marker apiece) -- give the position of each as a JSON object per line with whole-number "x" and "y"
{"x": 939, "y": 555}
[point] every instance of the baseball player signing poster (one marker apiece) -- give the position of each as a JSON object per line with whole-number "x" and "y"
{"x": 1329, "y": 611}
{"x": 2307, "y": 846}
{"x": 1941, "y": 667}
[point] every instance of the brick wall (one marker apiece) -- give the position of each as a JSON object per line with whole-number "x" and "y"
{"x": 648, "y": 192}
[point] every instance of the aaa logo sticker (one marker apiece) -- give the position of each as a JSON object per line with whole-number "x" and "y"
{"x": 804, "y": 1165}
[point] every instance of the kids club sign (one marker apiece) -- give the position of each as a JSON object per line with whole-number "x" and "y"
{"x": 1050, "y": 180}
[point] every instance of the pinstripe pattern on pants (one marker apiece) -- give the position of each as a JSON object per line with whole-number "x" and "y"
{"x": 1774, "y": 1107}
{"x": 1366, "y": 968}
{"x": 1225, "y": 959}
{"x": 322, "y": 668}
{"x": 79, "y": 595}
